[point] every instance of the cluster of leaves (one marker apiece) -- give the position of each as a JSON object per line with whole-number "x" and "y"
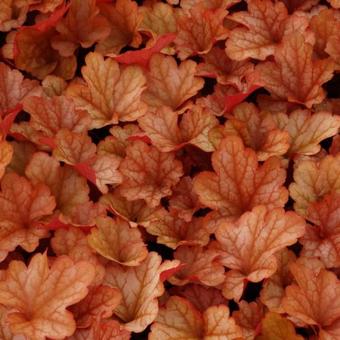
{"x": 169, "y": 170}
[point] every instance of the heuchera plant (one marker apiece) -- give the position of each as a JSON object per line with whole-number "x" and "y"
{"x": 169, "y": 169}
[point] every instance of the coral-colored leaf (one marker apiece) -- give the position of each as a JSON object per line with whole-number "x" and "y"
{"x": 167, "y": 135}
{"x": 117, "y": 241}
{"x": 6, "y": 154}
{"x": 239, "y": 183}
{"x": 38, "y": 295}
{"x": 295, "y": 75}
{"x": 140, "y": 287}
{"x": 12, "y": 14}
{"x": 314, "y": 298}
{"x": 249, "y": 245}
{"x": 82, "y": 25}
{"x": 169, "y": 84}
{"x": 45, "y": 6}
{"x": 276, "y": 327}
{"x": 197, "y": 29}
{"x": 22, "y": 207}
{"x": 313, "y": 179}
{"x": 99, "y": 302}
{"x": 201, "y": 265}
{"x": 110, "y": 94}
{"x": 124, "y": 19}
{"x": 181, "y": 320}
{"x": 148, "y": 174}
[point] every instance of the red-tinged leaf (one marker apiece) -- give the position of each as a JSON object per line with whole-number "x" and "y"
{"x": 7, "y": 121}
{"x": 148, "y": 174}
{"x": 142, "y": 57}
{"x": 124, "y": 19}
{"x": 249, "y": 245}
{"x": 211, "y": 4}
{"x": 23, "y": 206}
{"x": 313, "y": 180}
{"x": 38, "y": 295}
{"x": 107, "y": 102}
{"x": 314, "y": 298}
{"x": 201, "y": 266}
{"x": 295, "y": 75}
{"x": 6, "y": 154}
{"x": 99, "y": 302}
{"x": 239, "y": 183}
{"x": 85, "y": 170}
{"x": 140, "y": 287}
{"x": 45, "y": 6}
{"x": 168, "y": 135}
{"x": 82, "y": 26}
{"x": 166, "y": 274}
{"x": 181, "y": 320}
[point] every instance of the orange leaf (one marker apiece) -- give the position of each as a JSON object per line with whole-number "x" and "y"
{"x": 124, "y": 18}
{"x": 295, "y": 75}
{"x": 82, "y": 25}
{"x": 249, "y": 245}
{"x": 202, "y": 297}
{"x": 12, "y": 14}
{"x": 140, "y": 287}
{"x": 45, "y": 6}
{"x": 314, "y": 298}
{"x": 313, "y": 179}
{"x": 6, "y": 154}
{"x": 323, "y": 239}
{"x": 118, "y": 242}
{"x": 169, "y": 84}
{"x": 148, "y": 174}
{"x": 274, "y": 287}
{"x": 276, "y": 327}
{"x": 73, "y": 243}
{"x": 201, "y": 266}
{"x": 110, "y": 94}
{"x": 258, "y": 131}
{"x": 13, "y": 89}
{"x": 265, "y": 25}
{"x": 22, "y": 208}
{"x": 248, "y": 317}
{"x": 197, "y": 29}
{"x": 38, "y": 295}
{"x": 181, "y": 320}
{"x": 99, "y": 302}
{"x": 239, "y": 183}
{"x": 168, "y": 135}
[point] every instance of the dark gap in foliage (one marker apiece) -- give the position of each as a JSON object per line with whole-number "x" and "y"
{"x": 161, "y": 249}
{"x": 252, "y": 291}
{"x": 208, "y": 88}
{"x": 332, "y": 87}
{"x": 98, "y": 135}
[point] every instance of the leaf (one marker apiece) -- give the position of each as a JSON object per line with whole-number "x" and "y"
{"x": 322, "y": 240}
{"x": 273, "y": 289}
{"x": 13, "y": 14}
{"x": 45, "y": 6}
{"x": 73, "y": 243}
{"x": 38, "y": 295}
{"x": 167, "y": 134}
{"x": 6, "y": 154}
{"x": 202, "y": 297}
{"x": 197, "y": 29}
{"x": 294, "y": 75}
{"x": 82, "y": 25}
{"x": 258, "y": 131}
{"x": 169, "y": 84}
{"x": 13, "y": 89}
{"x": 249, "y": 244}
{"x": 239, "y": 183}
{"x": 148, "y": 174}
{"x": 226, "y": 71}
{"x": 99, "y": 302}
{"x": 140, "y": 287}
{"x": 23, "y": 206}
{"x": 276, "y": 327}
{"x": 124, "y": 18}
{"x": 312, "y": 180}
{"x": 313, "y": 299}
{"x": 201, "y": 266}
{"x": 110, "y": 94}
{"x": 307, "y": 130}
{"x": 116, "y": 241}
{"x": 174, "y": 232}
{"x": 264, "y": 26}
{"x": 181, "y": 320}
{"x": 248, "y": 317}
